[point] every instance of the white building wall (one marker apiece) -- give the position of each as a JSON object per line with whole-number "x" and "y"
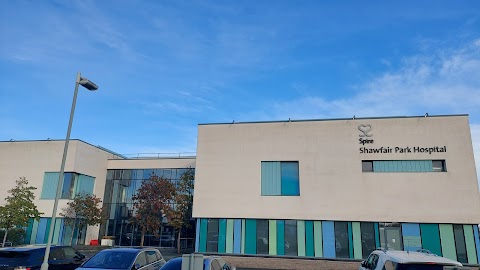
{"x": 332, "y": 184}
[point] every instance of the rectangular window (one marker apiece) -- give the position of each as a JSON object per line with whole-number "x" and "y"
{"x": 341, "y": 240}
{"x": 291, "y": 240}
{"x": 73, "y": 184}
{"x": 368, "y": 238}
{"x": 460, "y": 243}
{"x": 280, "y": 178}
{"x": 403, "y": 166}
{"x": 262, "y": 236}
{"x": 212, "y": 235}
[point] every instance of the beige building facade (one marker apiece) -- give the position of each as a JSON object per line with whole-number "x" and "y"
{"x": 338, "y": 188}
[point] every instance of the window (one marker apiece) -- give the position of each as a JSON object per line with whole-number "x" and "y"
{"x": 141, "y": 259}
{"x": 280, "y": 178}
{"x": 212, "y": 235}
{"x": 438, "y": 165}
{"x": 368, "y": 238}
{"x": 73, "y": 184}
{"x": 262, "y": 236}
{"x": 460, "y": 243}
{"x": 403, "y": 166}
{"x": 291, "y": 244}
{"x": 151, "y": 256}
{"x": 342, "y": 249}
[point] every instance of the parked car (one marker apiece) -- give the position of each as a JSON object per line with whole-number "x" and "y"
{"x": 382, "y": 259}
{"x": 209, "y": 263}
{"x": 125, "y": 258}
{"x": 31, "y": 257}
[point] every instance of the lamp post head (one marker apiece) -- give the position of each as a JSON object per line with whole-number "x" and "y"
{"x": 88, "y": 84}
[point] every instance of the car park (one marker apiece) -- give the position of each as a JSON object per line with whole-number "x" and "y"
{"x": 31, "y": 257}
{"x": 382, "y": 259}
{"x": 125, "y": 258}
{"x": 209, "y": 263}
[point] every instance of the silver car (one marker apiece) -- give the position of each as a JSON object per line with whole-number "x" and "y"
{"x": 125, "y": 258}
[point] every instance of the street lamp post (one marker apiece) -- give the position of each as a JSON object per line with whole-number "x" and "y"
{"x": 92, "y": 87}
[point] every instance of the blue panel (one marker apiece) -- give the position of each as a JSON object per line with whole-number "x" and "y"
{"x": 328, "y": 231}
{"x": 147, "y": 174}
{"x": 477, "y": 241}
{"x": 377, "y": 235}
{"x": 237, "y": 236}
{"x": 290, "y": 185}
{"x": 411, "y": 236}
{"x": 271, "y": 184}
{"x": 42, "y": 228}
{"x": 50, "y": 183}
{"x": 84, "y": 185}
{"x": 62, "y": 231}
{"x": 197, "y": 235}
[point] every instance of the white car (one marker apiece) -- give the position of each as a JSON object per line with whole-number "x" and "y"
{"x": 382, "y": 259}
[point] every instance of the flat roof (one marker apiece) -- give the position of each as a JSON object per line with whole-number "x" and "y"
{"x": 61, "y": 140}
{"x": 332, "y": 119}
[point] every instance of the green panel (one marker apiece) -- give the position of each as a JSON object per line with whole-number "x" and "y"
{"x": 56, "y": 230}
{"x": 280, "y": 237}
{"x": 45, "y": 239}
{"x": 203, "y": 235}
{"x": 50, "y": 183}
{"x": 250, "y": 236}
{"x": 271, "y": 178}
{"x": 309, "y": 239}
{"x": 431, "y": 238}
{"x": 33, "y": 236}
{"x": 448, "y": 241}
{"x": 377, "y": 235}
{"x": 84, "y": 184}
{"x": 470, "y": 244}
{"x": 229, "y": 241}
{"x": 243, "y": 237}
{"x": 301, "y": 237}
{"x": 272, "y": 237}
{"x": 357, "y": 240}
{"x": 222, "y": 235}
{"x": 317, "y": 232}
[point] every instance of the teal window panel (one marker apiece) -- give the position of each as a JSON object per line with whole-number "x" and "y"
{"x": 377, "y": 234}
{"x": 50, "y": 183}
{"x": 271, "y": 178}
{"x": 448, "y": 241}
{"x": 317, "y": 232}
{"x": 197, "y": 235}
{"x": 62, "y": 230}
{"x": 309, "y": 239}
{"x": 203, "y": 235}
{"x": 250, "y": 236}
{"x": 56, "y": 230}
{"x": 242, "y": 244}
{"x": 229, "y": 240}
{"x": 290, "y": 179}
{"x": 28, "y": 234}
{"x": 272, "y": 237}
{"x": 357, "y": 240}
{"x": 280, "y": 237}
{"x": 350, "y": 239}
{"x": 33, "y": 236}
{"x": 49, "y": 221}
{"x": 328, "y": 230}
{"x": 237, "y": 236}
{"x": 402, "y": 165}
{"x": 84, "y": 184}
{"x": 222, "y": 235}
{"x": 430, "y": 235}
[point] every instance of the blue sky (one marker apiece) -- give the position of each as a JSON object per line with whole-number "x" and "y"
{"x": 165, "y": 66}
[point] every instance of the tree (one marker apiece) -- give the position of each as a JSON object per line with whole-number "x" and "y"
{"x": 182, "y": 214}
{"x": 19, "y": 208}
{"x": 152, "y": 201}
{"x": 83, "y": 211}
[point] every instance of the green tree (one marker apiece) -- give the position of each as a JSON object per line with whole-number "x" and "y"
{"x": 181, "y": 216}
{"x": 83, "y": 211}
{"x": 19, "y": 208}
{"x": 152, "y": 201}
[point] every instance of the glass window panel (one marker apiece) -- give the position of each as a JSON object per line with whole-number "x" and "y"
{"x": 391, "y": 236}
{"x": 368, "y": 238}
{"x": 367, "y": 166}
{"x": 174, "y": 174}
{"x": 460, "y": 243}
{"x": 290, "y": 181}
{"x": 148, "y": 173}
{"x": 167, "y": 173}
{"x": 262, "y": 236}
{"x": 117, "y": 174}
{"x": 67, "y": 182}
{"x": 212, "y": 235}
{"x": 141, "y": 259}
{"x": 127, "y": 174}
{"x": 109, "y": 174}
{"x": 438, "y": 165}
{"x": 341, "y": 240}
{"x": 291, "y": 245}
